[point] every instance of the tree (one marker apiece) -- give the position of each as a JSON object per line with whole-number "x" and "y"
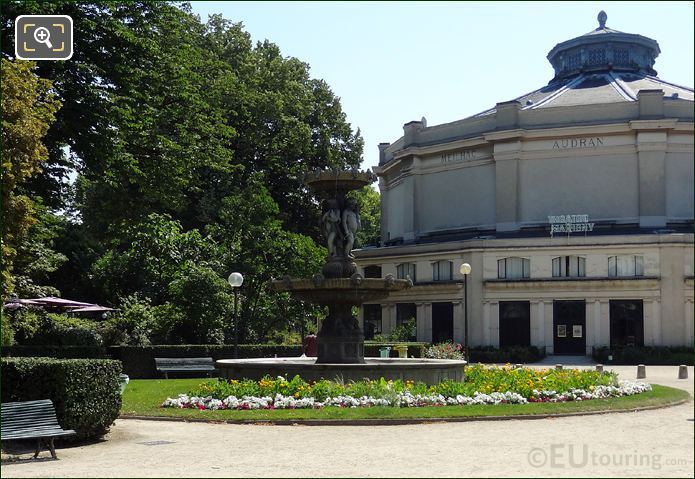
{"x": 370, "y": 216}
{"x": 253, "y": 242}
{"x": 189, "y": 143}
{"x": 148, "y": 257}
{"x": 28, "y": 110}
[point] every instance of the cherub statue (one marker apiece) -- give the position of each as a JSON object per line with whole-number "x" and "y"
{"x": 331, "y": 226}
{"x": 351, "y": 225}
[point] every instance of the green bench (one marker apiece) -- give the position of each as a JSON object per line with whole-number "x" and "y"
{"x": 32, "y": 420}
{"x": 184, "y": 365}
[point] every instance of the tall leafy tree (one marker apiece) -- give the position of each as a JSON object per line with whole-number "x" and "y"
{"x": 369, "y": 203}
{"x": 191, "y": 122}
{"x": 28, "y": 109}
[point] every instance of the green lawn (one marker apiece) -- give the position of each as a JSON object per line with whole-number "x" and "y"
{"x": 142, "y": 397}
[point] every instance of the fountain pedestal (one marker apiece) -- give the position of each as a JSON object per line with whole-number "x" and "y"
{"x": 340, "y": 339}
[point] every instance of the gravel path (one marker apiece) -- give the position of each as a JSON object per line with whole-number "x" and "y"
{"x": 643, "y": 444}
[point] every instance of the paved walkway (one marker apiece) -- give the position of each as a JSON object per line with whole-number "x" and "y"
{"x": 644, "y": 444}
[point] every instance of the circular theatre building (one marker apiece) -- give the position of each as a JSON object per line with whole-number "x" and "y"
{"x": 572, "y": 204}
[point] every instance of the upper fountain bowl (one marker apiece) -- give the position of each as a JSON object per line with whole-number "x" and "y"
{"x": 354, "y": 290}
{"x": 328, "y": 183}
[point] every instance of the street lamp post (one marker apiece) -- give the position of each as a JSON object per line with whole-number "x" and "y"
{"x": 465, "y": 270}
{"x": 235, "y": 280}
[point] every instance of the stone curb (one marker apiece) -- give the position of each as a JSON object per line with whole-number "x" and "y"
{"x": 398, "y": 422}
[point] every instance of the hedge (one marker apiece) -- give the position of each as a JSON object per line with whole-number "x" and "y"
{"x": 138, "y": 361}
{"x": 654, "y": 355}
{"x": 59, "y": 352}
{"x": 85, "y": 392}
{"x": 514, "y": 354}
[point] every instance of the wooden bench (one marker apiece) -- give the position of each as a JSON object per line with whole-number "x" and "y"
{"x": 29, "y": 420}
{"x": 184, "y": 365}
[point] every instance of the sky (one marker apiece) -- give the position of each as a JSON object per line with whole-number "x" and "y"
{"x": 395, "y": 62}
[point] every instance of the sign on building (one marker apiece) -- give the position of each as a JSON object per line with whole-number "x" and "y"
{"x": 569, "y": 224}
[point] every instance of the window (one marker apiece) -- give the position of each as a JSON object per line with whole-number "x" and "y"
{"x": 441, "y": 270}
{"x": 373, "y": 271}
{"x": 406, "y": 269}
{"x": 569, "y": 266}
{"x": 372, "y": 320}
{"x": 513, "y": 268}
{"x": 626, "y": 323}
{"x": 406, "y": 321}
{"x": 626, "y": 265}
{"x": 515, "y": 323}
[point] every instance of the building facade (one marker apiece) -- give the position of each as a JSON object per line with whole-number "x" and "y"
{"x": 572, "y": 204}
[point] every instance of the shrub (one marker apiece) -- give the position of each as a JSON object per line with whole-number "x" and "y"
{"x": 514, "y": 354}
{"x": 60, "y": 330}
{"x": 447, "y": 350}
{"x": 407, "y": 331}
{"x": 133, "y": 324}
{"x": 6, "y": 331}
{"x": 26, "y": 322}
{"x": 33, "y": 326}
{"x": 85, "y": 392}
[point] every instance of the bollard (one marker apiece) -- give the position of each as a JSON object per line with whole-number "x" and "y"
{"x": 558, "y": 367}
{"x": 641, "y": 371}
{"x": 682, "y": 371}
{"x": 518, "y": 366}
{"x": 599, "y": 368}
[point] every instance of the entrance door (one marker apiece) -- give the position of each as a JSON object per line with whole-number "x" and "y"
{"x": 442, "y": 322}
{"x": 515, "y": 323}
{"x": 569, "y": 327}
{"x": 627, "y": 323}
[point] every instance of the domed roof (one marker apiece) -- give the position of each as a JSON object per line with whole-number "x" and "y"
{"x": 601, "y": 66}
{"x": 604, "y": 49}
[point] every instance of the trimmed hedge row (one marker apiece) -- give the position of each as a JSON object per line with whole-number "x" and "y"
{"x": 85, "y": 392}
{"x": 515, "y": 354}
{"x": 655, "y": 355}
{"x": 138, "y": 361}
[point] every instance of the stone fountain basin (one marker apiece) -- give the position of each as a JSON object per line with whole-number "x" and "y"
{"x": 429, "y": 371}
{"x": 341, "y": 290}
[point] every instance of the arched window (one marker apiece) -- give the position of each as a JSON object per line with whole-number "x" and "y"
{"x": 513, "y": 268}
{"x": 442, "y": 270}
{"x": 372, "y": 271}
{"x": 406, "y": 269}
{"x": 569, "y": 266}
{"x": 625, "y": 265}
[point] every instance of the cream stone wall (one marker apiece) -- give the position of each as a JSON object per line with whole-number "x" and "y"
{"x": 666, "y": 288}
{"x": 628, "y": 163}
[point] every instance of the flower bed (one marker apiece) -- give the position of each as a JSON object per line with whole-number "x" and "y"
{"x": 483, "y": 386}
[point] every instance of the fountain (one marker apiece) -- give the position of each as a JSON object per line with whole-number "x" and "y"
{"x": 340, "y": 287}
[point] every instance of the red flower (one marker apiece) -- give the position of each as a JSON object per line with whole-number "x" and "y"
{"x": 201, "y": 407}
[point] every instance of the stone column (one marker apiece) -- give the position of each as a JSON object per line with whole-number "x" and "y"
{"x": 537, "y": 323}
{"x": 605, "y": 322}
{"x": 589, "y": 332}
{"x": 495, "y": 324}
{"x": 420, "y": 321}
{"x": 656, "y": 322}
{"x": 688, "y": 341}
{"x": 486, "y": 323}
{"x": 549, "y": 330}
{"x": 428, "y": 323}
{"x": 388, "y": 310}
{"x": 598, "y": 339}
{"x": 651, "y": 151}
{"x": 506, "y": 185}
{"x": 459, "y": 327}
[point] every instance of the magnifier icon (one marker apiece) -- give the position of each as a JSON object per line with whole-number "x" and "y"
{"x": 42, "y": 35}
